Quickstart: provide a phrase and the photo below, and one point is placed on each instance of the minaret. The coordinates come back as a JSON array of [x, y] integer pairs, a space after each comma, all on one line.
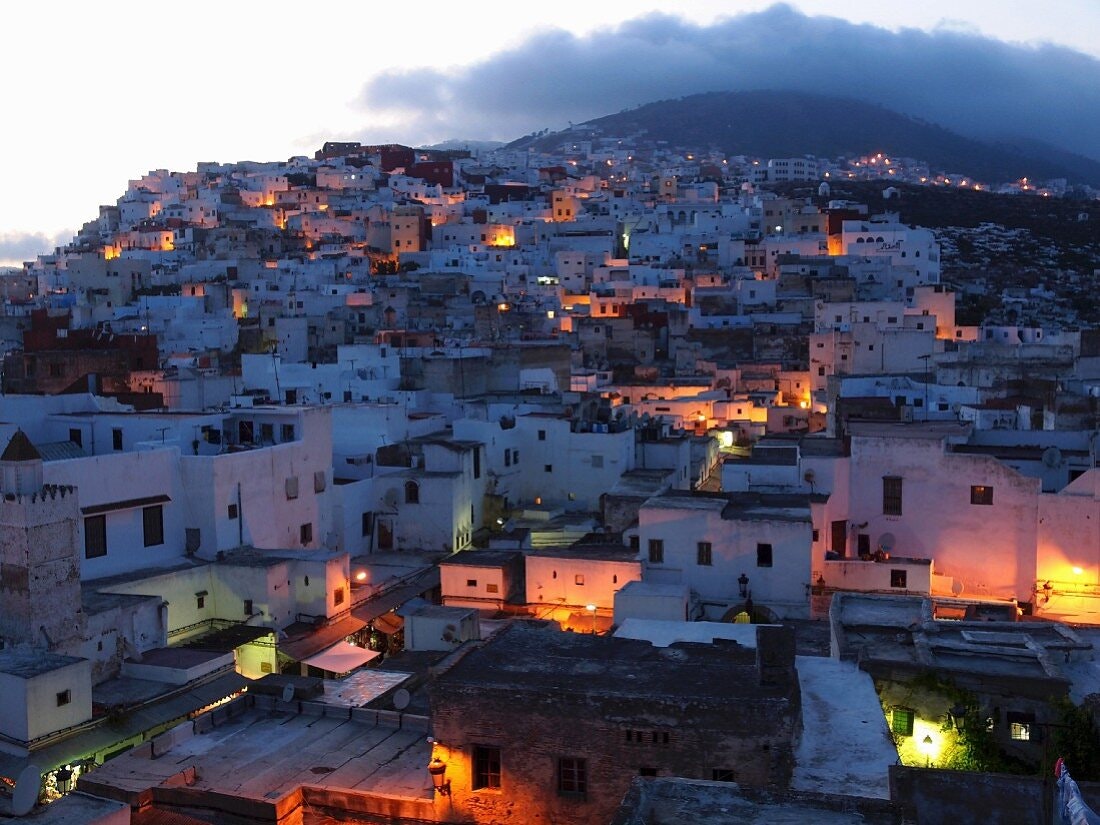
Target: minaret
[[39, 568]]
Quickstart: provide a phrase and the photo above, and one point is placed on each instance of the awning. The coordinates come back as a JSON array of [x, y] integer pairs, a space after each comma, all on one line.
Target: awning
[[376, 606], [341, 658], [388, 623], [126, 504], [301, 647]]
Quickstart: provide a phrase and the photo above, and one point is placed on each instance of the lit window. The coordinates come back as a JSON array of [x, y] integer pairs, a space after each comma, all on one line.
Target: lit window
[[901, 721], [981, 494]]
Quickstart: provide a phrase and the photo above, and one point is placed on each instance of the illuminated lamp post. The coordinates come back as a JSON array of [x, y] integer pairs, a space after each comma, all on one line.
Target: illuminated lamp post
[[591, 608], [926, 745], [437, 768]]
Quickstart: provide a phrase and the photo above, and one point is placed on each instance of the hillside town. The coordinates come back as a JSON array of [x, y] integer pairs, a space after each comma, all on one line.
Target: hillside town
[[609, 484]]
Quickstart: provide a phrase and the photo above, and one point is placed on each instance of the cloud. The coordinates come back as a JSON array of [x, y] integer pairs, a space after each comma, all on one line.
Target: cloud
[[975, 85], [17, 247]]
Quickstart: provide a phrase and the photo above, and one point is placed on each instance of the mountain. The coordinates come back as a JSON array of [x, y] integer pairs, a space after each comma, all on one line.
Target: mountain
[[791, 124]]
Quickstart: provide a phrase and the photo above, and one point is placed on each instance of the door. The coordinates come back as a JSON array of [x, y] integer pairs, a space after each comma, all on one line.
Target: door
[[839, 541]]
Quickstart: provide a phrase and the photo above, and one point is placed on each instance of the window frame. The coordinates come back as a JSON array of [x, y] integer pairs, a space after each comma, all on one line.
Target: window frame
[[656, 551], [704, 554], [95, 542], [892, 495], [572, 777], [765, 554], [981, 494], [486, 772], [152, 526]]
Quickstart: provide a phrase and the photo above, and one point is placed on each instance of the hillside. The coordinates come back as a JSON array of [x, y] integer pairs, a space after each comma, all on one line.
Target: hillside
[[782, 124]]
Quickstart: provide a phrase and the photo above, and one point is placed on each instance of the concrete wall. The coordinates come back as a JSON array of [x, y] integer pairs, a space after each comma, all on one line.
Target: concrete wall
[[572, 581], [938, 520]]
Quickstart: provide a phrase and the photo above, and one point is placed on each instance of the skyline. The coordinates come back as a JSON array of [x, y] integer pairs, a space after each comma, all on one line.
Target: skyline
[[243, 90]]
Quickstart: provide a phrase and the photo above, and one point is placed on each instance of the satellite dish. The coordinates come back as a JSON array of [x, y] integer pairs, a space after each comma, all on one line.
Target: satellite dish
[[1052, 457], [401, 699], [288, 693], [25, 795]]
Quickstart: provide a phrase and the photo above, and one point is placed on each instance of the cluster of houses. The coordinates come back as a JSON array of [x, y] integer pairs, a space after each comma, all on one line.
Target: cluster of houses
[[270, 424]]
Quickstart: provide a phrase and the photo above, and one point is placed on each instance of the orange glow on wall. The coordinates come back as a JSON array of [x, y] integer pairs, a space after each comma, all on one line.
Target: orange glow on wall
[[111, 252]]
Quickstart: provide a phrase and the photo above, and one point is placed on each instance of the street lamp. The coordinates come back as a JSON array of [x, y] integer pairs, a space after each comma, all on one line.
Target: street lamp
[[957, 714], [591, 608], [926, 745], [438, 770]]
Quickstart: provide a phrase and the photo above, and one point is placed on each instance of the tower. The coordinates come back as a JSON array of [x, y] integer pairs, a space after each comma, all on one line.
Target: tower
[[39, 567]]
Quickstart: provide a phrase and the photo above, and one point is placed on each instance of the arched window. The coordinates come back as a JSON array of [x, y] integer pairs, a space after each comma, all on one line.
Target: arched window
[[412, 492]]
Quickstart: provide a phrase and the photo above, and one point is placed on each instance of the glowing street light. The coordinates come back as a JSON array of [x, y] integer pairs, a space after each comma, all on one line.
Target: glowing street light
[[591, 608]]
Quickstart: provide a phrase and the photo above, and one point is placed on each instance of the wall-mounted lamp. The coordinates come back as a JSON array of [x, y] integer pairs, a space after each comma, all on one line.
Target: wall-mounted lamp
[[957, 715], [438, 770], [1048, 591]]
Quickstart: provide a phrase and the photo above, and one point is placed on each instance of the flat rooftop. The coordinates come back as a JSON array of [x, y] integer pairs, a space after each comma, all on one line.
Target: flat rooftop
[[266, 753], [665, 800], [27, 664], [526, 658]]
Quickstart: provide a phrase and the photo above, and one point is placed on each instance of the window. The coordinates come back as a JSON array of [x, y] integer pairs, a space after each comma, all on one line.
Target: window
[[477, 462], [901, 721], [319, 481], [200, 602], [542, 435], [152, 523], [981, 494], [703, 554], [95, 537], [116, 439], [486, 767], [492, 587], [412, 492], [248, 611], [548, 468], [1021, 727], [286, 432], [76, 437], [367, 522], [471, 582], [507, 458], [305, 533], [722, 775], [291, 485], [891, 495], [597, 462], [231, 511], [579, 579], [660, 737], [656, 551], [763, 555], [515, 456], [64, 697], [267, 432], [338, 596], [572, 777], [898, 578]]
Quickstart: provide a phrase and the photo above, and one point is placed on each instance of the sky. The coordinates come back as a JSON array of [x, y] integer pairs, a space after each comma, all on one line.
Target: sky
[[95, 95]]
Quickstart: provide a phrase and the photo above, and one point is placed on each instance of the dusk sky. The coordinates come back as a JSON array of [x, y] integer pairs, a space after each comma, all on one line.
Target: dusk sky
[[105, 92]]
